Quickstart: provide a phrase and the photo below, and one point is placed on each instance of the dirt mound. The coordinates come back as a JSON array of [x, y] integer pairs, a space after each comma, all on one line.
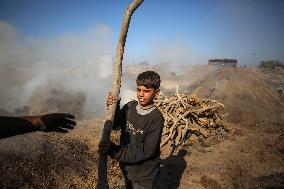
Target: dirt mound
[[53, 160], [248, 98]]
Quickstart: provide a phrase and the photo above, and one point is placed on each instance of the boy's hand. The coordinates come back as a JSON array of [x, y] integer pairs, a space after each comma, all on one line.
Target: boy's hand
[[104, 147], [111, 99]]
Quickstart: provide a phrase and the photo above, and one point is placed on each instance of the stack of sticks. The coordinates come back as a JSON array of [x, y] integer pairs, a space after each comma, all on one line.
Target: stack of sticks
[[186, 115]]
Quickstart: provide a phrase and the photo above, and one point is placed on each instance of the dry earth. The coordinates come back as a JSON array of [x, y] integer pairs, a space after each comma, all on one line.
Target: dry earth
[[250, 156]]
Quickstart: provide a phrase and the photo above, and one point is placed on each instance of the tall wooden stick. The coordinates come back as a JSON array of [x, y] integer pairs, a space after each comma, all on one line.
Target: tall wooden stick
[[102, 167]]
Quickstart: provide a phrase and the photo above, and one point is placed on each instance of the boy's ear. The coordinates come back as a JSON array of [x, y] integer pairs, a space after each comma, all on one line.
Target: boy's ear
[[158, 92]]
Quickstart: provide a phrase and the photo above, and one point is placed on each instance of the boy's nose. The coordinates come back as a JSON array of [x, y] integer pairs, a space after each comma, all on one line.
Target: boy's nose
[[141, 94]]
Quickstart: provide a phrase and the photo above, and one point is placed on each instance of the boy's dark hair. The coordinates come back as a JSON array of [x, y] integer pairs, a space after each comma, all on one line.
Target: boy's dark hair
[[149, 79]]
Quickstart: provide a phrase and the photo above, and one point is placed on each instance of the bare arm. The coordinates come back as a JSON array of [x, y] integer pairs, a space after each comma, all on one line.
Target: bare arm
[[10, 126]]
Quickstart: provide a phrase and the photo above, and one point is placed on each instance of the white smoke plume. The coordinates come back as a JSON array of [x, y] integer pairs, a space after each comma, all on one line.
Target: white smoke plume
[[55, 74]]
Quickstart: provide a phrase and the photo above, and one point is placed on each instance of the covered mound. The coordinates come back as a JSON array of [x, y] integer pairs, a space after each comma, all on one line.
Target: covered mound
[[248, 99]]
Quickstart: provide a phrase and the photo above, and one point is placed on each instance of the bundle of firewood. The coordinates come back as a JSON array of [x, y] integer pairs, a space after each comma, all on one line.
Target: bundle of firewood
[[187, 114]]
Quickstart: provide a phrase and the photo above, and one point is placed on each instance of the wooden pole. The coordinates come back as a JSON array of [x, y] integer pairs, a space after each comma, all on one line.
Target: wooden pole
[[102, 167]]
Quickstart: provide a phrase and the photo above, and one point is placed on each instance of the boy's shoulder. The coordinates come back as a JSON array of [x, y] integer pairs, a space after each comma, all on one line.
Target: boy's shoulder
[[131, 103]]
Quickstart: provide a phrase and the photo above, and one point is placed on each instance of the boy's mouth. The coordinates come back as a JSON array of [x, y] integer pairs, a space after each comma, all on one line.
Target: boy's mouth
[[142, 100]]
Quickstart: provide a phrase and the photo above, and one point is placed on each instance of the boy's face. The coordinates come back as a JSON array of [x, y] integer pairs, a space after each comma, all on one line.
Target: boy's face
[[145, 95]]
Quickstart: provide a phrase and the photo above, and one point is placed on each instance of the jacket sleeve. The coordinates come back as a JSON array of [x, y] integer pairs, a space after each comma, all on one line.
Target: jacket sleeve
[[137, 153]]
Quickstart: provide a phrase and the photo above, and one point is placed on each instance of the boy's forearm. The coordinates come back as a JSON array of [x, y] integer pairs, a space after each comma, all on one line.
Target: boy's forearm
[[138, 153], [130, 153], [119, 117], [116, 117]]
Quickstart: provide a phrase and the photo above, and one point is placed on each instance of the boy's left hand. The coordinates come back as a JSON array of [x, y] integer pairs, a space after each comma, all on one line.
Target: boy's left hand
[[104, 147]]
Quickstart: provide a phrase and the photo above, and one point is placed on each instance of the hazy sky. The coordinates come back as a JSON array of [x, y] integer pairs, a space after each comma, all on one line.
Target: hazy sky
[[59, 44], [249, 30]]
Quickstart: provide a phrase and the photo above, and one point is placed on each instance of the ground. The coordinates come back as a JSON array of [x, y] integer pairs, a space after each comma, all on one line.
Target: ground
[[249, 156]]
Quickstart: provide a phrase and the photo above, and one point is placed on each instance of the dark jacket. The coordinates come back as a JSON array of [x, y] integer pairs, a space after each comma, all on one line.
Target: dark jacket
[[139, 149]]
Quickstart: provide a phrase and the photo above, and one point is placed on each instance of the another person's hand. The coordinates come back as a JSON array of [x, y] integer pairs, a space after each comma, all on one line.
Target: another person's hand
[[57, 122]]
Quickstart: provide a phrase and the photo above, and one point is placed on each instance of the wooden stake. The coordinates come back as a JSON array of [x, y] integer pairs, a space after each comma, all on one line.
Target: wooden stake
[[102, 167]]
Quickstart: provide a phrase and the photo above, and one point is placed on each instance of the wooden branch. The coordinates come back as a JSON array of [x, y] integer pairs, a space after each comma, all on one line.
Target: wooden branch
[[102, 167], [198, 111], [188, 114]]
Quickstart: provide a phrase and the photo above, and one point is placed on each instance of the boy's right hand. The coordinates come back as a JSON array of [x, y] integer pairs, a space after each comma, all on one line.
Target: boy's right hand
[[111, 99]]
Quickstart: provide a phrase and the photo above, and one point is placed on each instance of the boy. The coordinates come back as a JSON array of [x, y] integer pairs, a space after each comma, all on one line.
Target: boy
[[141, 126]]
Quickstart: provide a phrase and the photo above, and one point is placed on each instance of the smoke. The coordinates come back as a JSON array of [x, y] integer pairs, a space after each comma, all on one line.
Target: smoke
[[60, 73], [163, 51], [176, 52], [72, 72]]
